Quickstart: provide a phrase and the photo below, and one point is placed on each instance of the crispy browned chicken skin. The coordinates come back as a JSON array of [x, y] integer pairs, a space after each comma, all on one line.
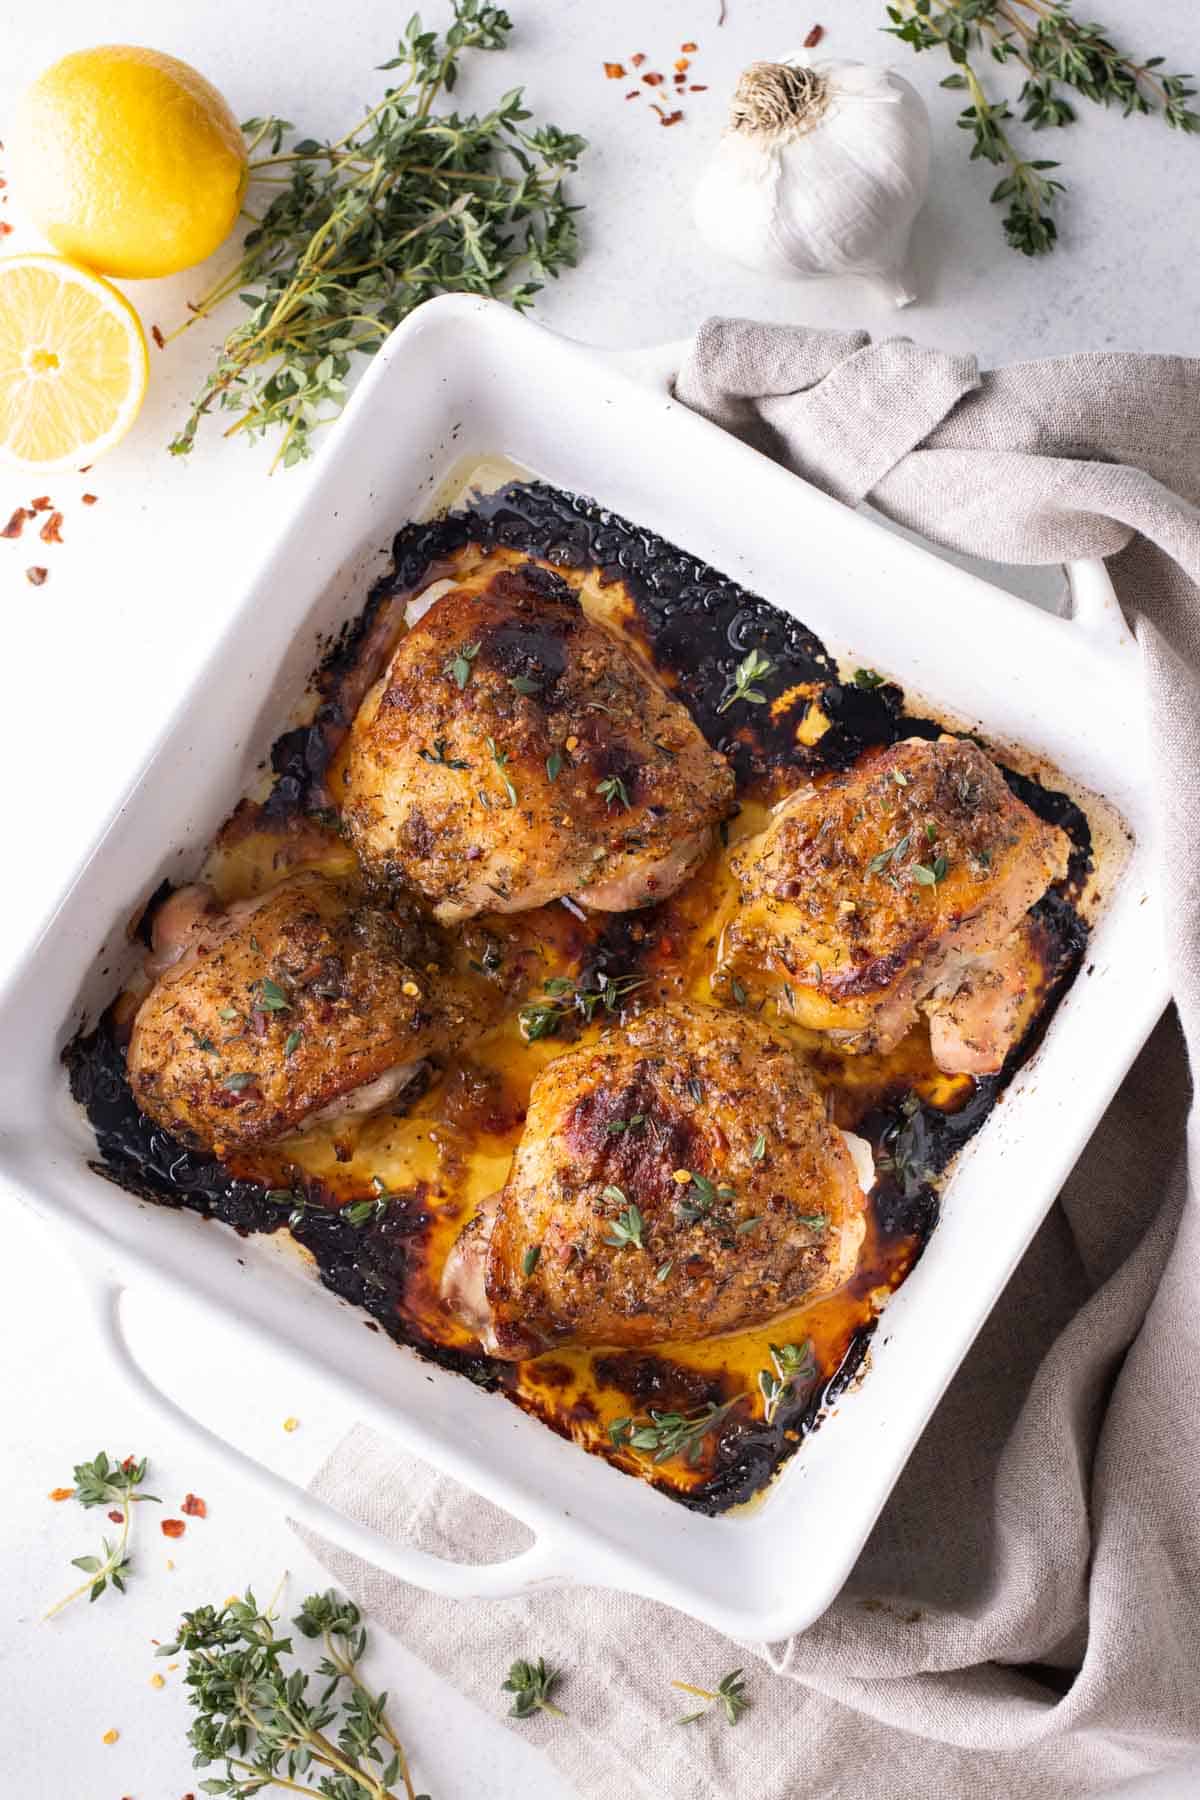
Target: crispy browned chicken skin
[[303, 1003], [678, 1179], [515, 751], [901, 884]]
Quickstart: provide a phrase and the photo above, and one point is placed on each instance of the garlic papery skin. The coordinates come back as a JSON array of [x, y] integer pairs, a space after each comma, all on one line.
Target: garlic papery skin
[[821, 171]]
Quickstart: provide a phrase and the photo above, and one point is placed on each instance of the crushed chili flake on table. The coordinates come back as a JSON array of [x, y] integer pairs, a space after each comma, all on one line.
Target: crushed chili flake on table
[[814, 37], [51, 532], [682, 65], [16, 524], [653, 79], [172, 1528], [61, 1493], [634, 94], [36, 576], [639, 59], [5, 227], [89, 499], [667, 118], [698, 88], [194, 1506], [43, 503], [158, 337], [118, 1518], [614, 71], [689, 49]]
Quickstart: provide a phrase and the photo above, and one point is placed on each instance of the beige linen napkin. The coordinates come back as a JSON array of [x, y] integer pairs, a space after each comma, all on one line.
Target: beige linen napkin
[[1025, 1619]]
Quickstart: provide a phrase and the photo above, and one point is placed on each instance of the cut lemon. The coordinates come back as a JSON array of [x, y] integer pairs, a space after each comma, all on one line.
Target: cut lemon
[[73, 364]]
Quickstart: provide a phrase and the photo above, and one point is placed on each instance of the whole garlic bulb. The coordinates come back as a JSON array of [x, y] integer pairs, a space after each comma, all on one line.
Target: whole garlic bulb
[[821, 171]]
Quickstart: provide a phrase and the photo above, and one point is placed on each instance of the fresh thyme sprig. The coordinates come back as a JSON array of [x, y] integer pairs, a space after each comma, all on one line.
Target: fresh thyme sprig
[[729, 1694], [790, 1363], [752, 668], [670, 1434], [532, 1684], [545, 1018], [625, 1231], [407, 204], [106, 1482], [1056, 51], [256, 1716]]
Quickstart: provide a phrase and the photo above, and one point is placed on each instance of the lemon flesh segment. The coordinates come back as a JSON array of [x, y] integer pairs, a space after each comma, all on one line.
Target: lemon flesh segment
[[73, 364]]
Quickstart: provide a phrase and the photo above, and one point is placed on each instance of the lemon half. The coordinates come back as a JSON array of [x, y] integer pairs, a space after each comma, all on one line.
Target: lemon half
[[128, 160], [73, 364]]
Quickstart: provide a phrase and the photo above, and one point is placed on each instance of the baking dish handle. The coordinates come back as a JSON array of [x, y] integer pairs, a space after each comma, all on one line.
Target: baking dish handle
[[1095, 609], [541, 1566]]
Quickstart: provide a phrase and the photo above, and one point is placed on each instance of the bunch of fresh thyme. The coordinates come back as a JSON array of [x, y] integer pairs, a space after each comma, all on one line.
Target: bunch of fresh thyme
[[408, 204], [255, 1714], [1057, 52]]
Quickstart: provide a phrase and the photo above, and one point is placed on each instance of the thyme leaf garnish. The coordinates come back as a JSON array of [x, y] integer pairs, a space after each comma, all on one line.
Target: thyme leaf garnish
[[670, 1434], [790, 1363], [752, 668], [532, 1683], [729, 1694], [438, 755], [108, 1482]]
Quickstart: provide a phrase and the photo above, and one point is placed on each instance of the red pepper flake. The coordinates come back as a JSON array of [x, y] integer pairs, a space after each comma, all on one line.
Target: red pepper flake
[[5, 227], [172, 1528], [3, 183], [673, 118], [634, 94], [89, 499], [698, 87], [118, 1518], [16, 524], [689, 49], [814, 37], [158, 337], [61, 1493], [43, 503], [36, 576], [51, 532], [682, 65], [194, 1506], [653, 80], [614, 71], [638, 60]]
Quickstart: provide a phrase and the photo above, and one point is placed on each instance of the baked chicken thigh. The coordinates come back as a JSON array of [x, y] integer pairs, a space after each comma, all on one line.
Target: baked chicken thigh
[[301, 1005], [897, 887], [676, 1179], [515, 751]]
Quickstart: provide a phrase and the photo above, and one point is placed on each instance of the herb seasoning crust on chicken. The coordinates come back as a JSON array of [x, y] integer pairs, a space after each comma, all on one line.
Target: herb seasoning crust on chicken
[[678, 1179], [515, 751], [899, 887], [297, 1007]]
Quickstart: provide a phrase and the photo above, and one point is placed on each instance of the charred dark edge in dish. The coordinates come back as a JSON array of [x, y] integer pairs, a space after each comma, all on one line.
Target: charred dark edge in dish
[[697, 625]]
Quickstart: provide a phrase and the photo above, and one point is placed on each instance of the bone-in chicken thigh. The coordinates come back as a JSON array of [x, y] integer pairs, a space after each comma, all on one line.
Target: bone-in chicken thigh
[[516, 751], [677, 1179], [302, 1004], [901, 885]]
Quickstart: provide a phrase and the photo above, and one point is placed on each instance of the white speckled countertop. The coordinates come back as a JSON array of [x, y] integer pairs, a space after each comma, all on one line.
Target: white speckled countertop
[[96, 660]]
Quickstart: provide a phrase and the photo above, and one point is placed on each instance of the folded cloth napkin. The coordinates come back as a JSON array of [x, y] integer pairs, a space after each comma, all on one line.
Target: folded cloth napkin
[[1026, 1616]]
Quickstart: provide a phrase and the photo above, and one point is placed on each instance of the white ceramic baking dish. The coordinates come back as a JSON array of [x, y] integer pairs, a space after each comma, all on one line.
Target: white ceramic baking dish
[[466, 378]]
